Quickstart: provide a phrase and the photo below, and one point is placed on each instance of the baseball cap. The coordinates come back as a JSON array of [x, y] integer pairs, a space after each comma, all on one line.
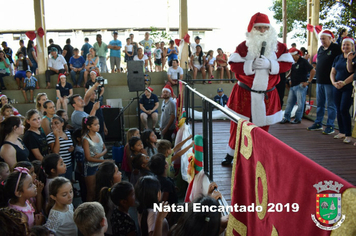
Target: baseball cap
[[29, 71], [197, 37], [220, 90], [115, 32], [53, 49]]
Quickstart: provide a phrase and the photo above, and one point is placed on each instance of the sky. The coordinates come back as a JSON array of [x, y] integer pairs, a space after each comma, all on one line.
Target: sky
[[230, 16]]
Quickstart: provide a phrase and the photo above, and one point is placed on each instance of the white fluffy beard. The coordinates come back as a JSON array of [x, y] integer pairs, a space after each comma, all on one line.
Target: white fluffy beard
[[254, 41]]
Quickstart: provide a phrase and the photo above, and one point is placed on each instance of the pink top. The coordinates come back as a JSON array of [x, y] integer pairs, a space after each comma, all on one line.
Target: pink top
[[27, 210]]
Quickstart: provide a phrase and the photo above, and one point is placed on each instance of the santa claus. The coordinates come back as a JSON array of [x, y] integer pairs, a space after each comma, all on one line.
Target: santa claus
[[257, 63]]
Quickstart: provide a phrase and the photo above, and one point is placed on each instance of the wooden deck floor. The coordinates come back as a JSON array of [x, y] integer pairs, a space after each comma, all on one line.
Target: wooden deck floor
[[328, 152]]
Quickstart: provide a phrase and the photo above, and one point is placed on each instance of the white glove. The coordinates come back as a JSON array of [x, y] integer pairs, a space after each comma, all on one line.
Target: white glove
[[261, 63]]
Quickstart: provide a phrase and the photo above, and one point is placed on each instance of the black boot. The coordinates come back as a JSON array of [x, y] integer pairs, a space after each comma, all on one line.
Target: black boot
[[227, 161]]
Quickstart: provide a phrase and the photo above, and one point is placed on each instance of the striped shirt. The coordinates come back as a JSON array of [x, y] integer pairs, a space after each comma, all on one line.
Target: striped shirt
[[30, 82], [64, 146]]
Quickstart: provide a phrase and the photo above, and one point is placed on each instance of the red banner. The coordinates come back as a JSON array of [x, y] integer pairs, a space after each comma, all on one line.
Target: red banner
[[275, 188]]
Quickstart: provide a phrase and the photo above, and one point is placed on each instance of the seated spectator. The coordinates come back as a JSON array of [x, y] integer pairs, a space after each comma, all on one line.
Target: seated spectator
[[57, 65], [157, 53], [148, 107], [4, 69], [100, 91], [52, 45], [22, 64], [49, 112], [40, 99], [90, 219], [221, 98], [197, 61], [12, 149], [91, 64], [4, 100], [30, 83], [64, 91], [210, 64], [31, 53], [77, 66], [141, 57], [221, 62], [68, 52], [174, 72], [172, 52]]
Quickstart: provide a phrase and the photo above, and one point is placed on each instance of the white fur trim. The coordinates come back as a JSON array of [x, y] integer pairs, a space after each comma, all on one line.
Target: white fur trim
[[165, 89], [294, 53], [262, 24], [274, 67], [248, 67], [229, 150], [258, 106], [275, 118], [235, 57], [286, 57], [329, 35], [348, 40]]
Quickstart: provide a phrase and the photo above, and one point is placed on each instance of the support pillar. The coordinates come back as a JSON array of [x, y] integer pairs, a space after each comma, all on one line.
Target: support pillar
[[183, 30], [41, 42], [313, 9]]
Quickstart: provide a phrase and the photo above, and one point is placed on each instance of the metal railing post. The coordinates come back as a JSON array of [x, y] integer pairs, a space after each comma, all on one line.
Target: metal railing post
[[205, 137], [210, 143]]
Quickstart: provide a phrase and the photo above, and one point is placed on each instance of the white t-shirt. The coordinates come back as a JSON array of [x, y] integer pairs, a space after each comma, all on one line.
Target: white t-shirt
[[193, 47], [128, 48], [174, 72], [57, 63], [144, 58], [211, 61]]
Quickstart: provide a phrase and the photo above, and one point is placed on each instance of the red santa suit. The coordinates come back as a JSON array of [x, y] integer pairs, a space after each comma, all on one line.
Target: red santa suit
[[260, 107]]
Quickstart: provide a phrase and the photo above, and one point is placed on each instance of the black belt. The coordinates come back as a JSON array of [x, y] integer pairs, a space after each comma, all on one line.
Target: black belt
[[244, 86]]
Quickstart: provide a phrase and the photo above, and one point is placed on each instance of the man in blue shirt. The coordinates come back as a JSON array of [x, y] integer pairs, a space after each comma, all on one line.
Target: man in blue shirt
[[148, 107], [221, 98], [85, 48], [115, 53]]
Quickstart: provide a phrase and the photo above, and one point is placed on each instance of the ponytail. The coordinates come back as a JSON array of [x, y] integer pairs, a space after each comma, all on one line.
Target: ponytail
[[104, 197], [87, 121]]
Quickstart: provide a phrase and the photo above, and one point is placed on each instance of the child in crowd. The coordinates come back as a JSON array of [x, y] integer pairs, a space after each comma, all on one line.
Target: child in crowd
[[126, 162], [129, 54], [148, 192], [90, 219], [79, 157], [123, 196], [140, 165], [149, 140], [107, 175], [30, 83], [210, 64], [4, 171], [38, 200], [60, 218], [147, 45], [64, 115], [94, 151], [157, 53], [164, 54], [158, 165], [89, 63], [19, 188], [6, 111], [165, 147], [136, 147], [53, 166]]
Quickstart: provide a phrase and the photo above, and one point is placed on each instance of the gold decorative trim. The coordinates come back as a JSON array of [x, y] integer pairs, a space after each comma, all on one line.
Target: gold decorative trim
[[246, 151], [235, 225], [261, 173], [274, 231], [348, 208]]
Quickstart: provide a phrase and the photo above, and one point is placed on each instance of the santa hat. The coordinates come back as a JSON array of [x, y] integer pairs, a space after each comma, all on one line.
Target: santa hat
[[93, 71], [348, 39], [295, 51], [327, 33], [2, 95], [149, 89], [258, 19], [168, 88], [61, 75]]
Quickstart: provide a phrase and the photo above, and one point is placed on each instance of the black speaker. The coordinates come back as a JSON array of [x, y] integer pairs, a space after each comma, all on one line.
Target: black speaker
[[113, 126], [135, 76]]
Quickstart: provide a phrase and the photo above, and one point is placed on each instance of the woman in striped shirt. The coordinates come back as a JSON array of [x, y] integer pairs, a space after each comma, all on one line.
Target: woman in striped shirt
[[60, 142]]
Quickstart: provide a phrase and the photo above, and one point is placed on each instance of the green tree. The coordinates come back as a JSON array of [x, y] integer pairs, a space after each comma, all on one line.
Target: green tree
[[333, 15], [159, 36]]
